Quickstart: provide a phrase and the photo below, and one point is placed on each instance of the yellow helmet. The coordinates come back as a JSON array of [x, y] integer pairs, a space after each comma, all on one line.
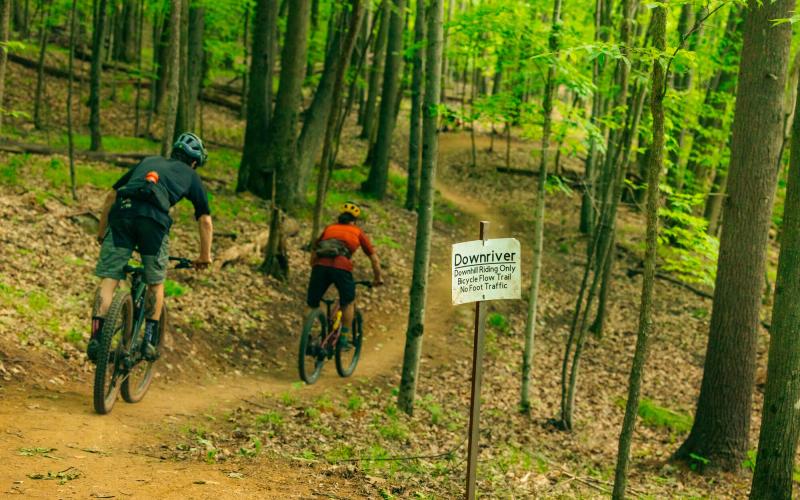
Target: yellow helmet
[[351, 208]]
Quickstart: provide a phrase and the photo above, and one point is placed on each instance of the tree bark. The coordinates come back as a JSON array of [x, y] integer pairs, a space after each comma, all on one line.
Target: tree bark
[[721, 427], [95, 74], [376, 182], [378, 57], [422, 248], [139, 69], [71, 66], [415, 134], [182, 118], [659, 34], [259, 97], [43, 36], [197, 26], [780, 423], [538, 230], [281, 138], [5, 16], [173, 76], [336, 116]]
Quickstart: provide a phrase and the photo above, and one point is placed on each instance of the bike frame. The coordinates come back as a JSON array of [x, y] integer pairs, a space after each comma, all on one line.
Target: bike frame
[[138, 292], [331, 308]]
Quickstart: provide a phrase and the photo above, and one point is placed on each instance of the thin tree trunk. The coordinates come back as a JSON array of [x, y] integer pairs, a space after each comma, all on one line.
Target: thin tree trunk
[[70, 142], [94, 77], [430, 146], [780, 423], [5, 16], [721, 427], [173, 76], [415, 134], [196, 53], [139, 69], [377, 180], [245, 74], [378, 58], [333, 129], [659, 34], [43, 33], [538, 230], [182, 118]]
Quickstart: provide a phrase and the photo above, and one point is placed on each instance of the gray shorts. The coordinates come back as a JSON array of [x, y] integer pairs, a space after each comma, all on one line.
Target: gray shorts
[[122, 237]]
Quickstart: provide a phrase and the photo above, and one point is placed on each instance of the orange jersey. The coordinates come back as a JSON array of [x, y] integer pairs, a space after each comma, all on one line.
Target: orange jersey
[[353, 237]]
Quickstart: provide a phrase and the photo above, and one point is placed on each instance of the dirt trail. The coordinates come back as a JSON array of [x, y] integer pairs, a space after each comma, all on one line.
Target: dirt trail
[[106, 450]]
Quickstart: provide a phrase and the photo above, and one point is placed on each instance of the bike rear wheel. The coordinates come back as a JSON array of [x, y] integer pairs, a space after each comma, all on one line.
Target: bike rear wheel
[[136, 384], [346, 360], [312, 356], [109, 369]]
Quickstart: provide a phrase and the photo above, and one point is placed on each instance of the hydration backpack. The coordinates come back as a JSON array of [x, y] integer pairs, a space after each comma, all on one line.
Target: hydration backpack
[[332, 248], [146, 190]]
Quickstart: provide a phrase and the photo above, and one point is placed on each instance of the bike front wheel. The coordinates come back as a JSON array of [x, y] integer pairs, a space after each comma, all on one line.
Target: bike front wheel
[[110, 357], [347, 358], [136, 384], [312, 355]]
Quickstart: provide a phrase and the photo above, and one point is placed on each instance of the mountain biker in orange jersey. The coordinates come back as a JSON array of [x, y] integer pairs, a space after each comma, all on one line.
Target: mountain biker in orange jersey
[[136, 216], [331, 264]]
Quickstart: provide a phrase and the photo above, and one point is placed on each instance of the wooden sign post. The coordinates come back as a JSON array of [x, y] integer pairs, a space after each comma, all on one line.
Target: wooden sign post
[[483, 270]]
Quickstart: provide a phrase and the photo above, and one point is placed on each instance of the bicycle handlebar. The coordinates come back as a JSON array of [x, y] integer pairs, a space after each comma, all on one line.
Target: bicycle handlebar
[[183, 263]]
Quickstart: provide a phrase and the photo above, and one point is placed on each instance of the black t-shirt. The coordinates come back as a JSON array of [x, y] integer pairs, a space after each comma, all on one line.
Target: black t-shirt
[[179, 179]]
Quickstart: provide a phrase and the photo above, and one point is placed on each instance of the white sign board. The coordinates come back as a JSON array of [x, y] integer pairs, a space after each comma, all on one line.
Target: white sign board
[[486, 270]]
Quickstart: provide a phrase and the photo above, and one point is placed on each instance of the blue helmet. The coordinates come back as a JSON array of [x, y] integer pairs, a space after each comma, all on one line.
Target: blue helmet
[[192, 146]]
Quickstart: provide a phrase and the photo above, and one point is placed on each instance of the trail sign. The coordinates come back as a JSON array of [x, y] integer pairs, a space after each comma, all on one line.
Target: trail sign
[[486, 270], [483, 270]]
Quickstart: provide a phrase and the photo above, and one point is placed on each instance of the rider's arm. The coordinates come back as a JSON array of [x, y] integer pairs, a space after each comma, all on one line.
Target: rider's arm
[[206, 228], [107, 204], [376, 268]]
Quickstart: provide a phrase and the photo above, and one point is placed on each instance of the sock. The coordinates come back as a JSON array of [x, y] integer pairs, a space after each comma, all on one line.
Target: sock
[[97, 326], [150, 330]]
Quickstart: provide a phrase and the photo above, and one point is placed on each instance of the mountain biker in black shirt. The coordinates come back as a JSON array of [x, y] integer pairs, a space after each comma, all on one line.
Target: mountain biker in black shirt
[[136, 216]]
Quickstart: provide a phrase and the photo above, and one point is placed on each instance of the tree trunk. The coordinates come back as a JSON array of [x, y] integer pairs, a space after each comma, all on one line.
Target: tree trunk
[[415, 134], [139, 69], [659, 34], [197, 26], [538, 230], [246, 57], [173, 76], [777, 444], [312, 135], [376, 182], [281, 137], [378, 57], [182, 118], [336, 116], [5, 16], [721, 427], [43, 34], [71, 66], [94, 76], [259, 99], [422, 248]]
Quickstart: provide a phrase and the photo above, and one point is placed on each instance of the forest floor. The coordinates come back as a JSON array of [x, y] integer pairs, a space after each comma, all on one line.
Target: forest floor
[[226, 416]]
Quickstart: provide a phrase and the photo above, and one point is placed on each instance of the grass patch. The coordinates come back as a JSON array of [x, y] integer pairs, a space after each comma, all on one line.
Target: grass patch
[[174, 289], [659, 417]]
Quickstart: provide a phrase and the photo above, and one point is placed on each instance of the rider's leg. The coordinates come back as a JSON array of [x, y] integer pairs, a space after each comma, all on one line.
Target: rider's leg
[[154, 301], [348, 312], [103, 297]]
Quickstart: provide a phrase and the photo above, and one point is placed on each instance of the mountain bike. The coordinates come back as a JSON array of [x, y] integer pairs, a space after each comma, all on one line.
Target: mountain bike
[[320, 341], [121, 365]]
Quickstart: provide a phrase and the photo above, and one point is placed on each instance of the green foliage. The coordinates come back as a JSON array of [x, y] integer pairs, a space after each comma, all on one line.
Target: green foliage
[[173, 288], [687, 249], [499, 323]]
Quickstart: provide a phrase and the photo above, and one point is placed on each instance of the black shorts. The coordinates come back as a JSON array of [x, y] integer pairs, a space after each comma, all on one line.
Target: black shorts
[[322, 277]]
